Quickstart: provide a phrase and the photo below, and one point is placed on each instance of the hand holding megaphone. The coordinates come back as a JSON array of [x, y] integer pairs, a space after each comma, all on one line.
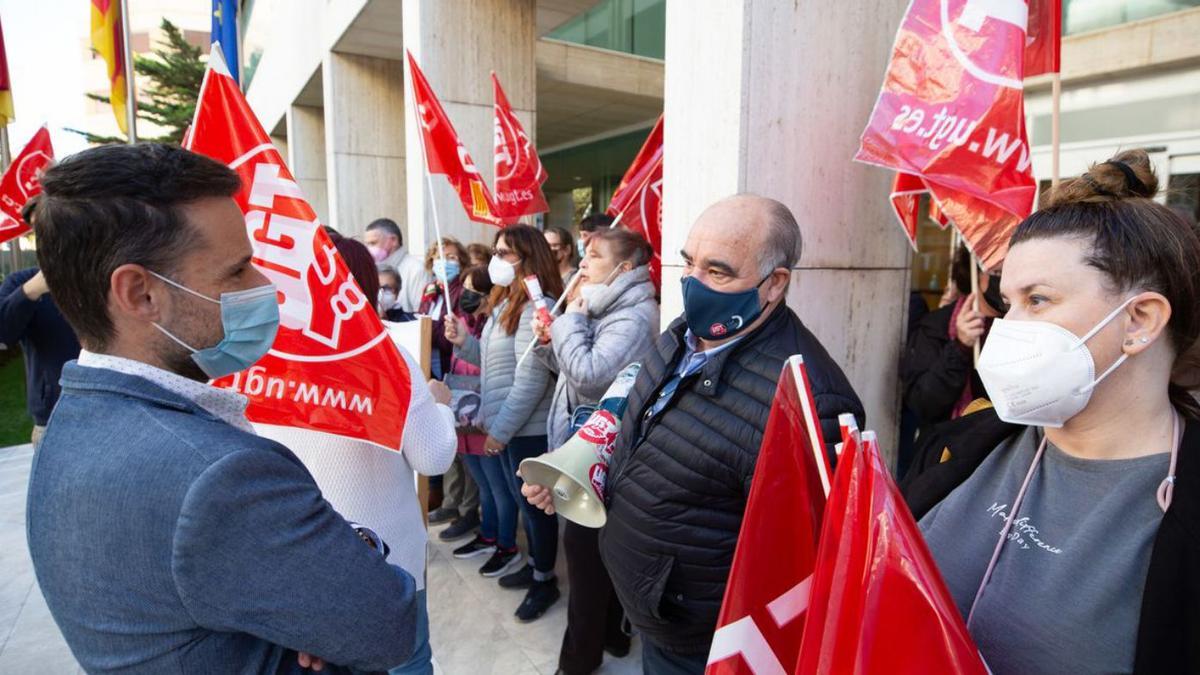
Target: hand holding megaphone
[[541, 497]]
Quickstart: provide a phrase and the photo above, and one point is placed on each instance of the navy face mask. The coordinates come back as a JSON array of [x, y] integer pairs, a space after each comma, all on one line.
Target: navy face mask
[[713, 315]]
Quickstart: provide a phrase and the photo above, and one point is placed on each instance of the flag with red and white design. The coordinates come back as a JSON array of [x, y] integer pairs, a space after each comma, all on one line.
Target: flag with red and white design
[[332, 367], [445, 153], [637, 201], [878, 604], [22, 181], [519, 170], [1043, 38], [951, 113], [762, 616]]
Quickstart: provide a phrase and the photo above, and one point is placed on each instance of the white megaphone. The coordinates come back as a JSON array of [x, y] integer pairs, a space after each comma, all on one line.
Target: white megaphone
[[576, 472]]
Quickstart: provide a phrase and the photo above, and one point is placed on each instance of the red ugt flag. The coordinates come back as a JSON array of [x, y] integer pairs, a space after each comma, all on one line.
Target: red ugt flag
[[637, 200], [332, 367], [22, 181], [519, 170], [760, 624], [878, 603], [445, 153], [951, 112]]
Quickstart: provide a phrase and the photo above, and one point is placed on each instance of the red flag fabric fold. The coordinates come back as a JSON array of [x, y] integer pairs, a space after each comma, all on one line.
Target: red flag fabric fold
[[519, 170], [878, 602], [1043, 39], [332, 367], [22, 181], [637, 200], [445, 153], [762, 616], [951, 112]]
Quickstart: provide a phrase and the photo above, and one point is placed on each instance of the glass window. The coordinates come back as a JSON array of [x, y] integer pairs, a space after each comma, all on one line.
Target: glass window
[[1183, 195], [630, 26], [1080, 16]]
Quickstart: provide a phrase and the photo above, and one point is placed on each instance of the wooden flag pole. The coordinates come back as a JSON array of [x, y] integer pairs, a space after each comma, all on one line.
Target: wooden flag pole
[[130, 86], [975, 298]]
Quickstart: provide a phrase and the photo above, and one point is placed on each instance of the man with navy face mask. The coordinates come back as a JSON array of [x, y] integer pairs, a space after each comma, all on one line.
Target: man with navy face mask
[[685, 457], [166, 536]]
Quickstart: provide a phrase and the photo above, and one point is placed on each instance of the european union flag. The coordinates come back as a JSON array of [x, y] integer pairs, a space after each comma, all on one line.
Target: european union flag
[[225, 31]]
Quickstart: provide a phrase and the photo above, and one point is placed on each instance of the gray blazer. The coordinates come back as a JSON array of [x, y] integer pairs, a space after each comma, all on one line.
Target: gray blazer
[[588, 350], [514, 403]]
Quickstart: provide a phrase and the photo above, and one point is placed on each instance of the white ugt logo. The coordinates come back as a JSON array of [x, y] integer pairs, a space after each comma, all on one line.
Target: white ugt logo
[[1015, 12]]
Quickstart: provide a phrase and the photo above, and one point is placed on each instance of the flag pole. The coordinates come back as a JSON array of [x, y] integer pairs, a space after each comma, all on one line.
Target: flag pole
[[1055, 116], [975, 298], [437, 229], [130, 86], [5, 161]]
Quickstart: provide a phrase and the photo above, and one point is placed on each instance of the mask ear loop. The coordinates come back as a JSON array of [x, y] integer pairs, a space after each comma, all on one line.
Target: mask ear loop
[[1012, 516], [1166, 489], [1092, 333]]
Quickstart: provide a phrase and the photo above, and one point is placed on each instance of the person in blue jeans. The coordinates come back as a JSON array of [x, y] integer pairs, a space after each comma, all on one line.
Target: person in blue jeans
[[515, 397], [165, 534]]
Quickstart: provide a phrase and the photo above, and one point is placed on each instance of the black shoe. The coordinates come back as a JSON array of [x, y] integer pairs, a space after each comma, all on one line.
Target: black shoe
[[541, 595], [620, 651], [522, 578], [501, 562], [460, 528], [476, 547], [443, 515]]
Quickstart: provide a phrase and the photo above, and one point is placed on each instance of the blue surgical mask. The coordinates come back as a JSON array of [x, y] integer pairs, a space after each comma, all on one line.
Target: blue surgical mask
[[249, 319], [581, 247], [446, 270], [713, 315]]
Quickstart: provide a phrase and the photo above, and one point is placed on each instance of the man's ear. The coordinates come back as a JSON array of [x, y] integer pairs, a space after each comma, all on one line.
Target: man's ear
[[133, 293], [777, 285]]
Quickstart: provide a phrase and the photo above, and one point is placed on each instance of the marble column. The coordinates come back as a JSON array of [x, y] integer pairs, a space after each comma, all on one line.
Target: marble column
[[306, 155]]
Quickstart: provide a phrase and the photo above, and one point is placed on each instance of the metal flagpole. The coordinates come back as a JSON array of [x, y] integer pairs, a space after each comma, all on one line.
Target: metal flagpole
[[130, 86]]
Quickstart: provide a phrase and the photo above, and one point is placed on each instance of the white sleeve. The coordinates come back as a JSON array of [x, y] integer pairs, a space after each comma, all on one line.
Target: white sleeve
[[430, 441]]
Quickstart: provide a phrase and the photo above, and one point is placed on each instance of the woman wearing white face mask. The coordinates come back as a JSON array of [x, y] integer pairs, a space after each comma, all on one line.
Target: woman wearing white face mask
[[609, 325], [1064, 520]]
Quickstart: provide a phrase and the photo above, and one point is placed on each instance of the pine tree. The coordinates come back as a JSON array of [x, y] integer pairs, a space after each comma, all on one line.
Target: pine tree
[[172, 75]]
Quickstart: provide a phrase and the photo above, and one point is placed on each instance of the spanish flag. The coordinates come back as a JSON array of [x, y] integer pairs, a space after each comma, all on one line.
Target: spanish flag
[[6, 102], [107, 42]]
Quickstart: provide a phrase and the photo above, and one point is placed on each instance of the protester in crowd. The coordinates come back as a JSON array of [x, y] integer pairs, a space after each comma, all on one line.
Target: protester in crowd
[[562, 247], [1073, 502], [386, 243], [479, 255], [684, 459], [938, 372], [165, 534], [374, 486], [29, 318], [588, 226], [390, 290], [498, 526], [612, 324], [460, 494], [516, 400]]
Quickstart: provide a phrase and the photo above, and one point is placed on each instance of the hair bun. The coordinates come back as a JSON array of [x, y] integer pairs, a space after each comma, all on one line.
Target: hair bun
[[1128, 175]]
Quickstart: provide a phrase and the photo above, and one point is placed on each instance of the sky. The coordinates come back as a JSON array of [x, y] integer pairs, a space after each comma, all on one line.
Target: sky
[[46, 43]]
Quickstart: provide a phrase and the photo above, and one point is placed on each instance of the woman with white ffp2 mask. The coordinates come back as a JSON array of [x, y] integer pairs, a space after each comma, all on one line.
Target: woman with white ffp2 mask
[[1064, 518]]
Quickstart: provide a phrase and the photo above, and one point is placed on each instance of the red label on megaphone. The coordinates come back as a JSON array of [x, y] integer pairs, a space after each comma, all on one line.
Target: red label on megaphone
[[598, 475], [601, 430]]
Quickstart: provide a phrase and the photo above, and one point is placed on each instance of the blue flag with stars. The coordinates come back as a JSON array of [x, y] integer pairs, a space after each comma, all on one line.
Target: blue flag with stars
[[225, 31]]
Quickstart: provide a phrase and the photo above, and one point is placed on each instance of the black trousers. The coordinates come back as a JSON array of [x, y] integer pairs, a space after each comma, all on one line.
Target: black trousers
[[594, 615]]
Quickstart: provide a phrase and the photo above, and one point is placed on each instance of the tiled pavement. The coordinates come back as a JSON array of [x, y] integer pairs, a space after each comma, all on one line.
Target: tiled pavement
[[471, 618]]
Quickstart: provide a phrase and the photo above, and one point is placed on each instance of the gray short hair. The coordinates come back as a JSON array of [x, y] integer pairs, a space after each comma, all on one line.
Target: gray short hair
[[783, 243]]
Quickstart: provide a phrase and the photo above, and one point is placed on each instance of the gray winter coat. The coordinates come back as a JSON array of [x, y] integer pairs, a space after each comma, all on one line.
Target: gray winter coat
[[514, 404], [588, 350]]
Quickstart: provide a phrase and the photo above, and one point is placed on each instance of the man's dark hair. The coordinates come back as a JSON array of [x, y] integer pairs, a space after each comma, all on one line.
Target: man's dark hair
[[389, 226], [596, 221], [115, 205]]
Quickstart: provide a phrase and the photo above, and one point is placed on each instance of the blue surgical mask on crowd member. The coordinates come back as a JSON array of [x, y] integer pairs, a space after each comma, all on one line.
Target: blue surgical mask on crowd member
[[581, 247], [446, 270], [714, 315], [249, 319]]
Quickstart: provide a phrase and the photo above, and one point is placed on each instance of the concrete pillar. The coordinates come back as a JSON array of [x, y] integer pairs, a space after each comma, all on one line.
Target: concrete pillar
[[364, 140], [458, 43], [306, 155], [774, 104]]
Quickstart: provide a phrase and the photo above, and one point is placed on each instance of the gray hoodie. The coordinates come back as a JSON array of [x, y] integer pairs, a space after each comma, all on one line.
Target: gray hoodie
[[588, 350], [514, 403]]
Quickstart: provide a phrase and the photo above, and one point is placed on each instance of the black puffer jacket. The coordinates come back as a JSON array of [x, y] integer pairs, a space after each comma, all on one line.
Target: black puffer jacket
[[675, 497]]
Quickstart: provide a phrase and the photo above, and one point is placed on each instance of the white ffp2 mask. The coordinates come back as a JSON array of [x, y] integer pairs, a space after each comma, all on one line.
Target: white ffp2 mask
[[1038, 373]]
